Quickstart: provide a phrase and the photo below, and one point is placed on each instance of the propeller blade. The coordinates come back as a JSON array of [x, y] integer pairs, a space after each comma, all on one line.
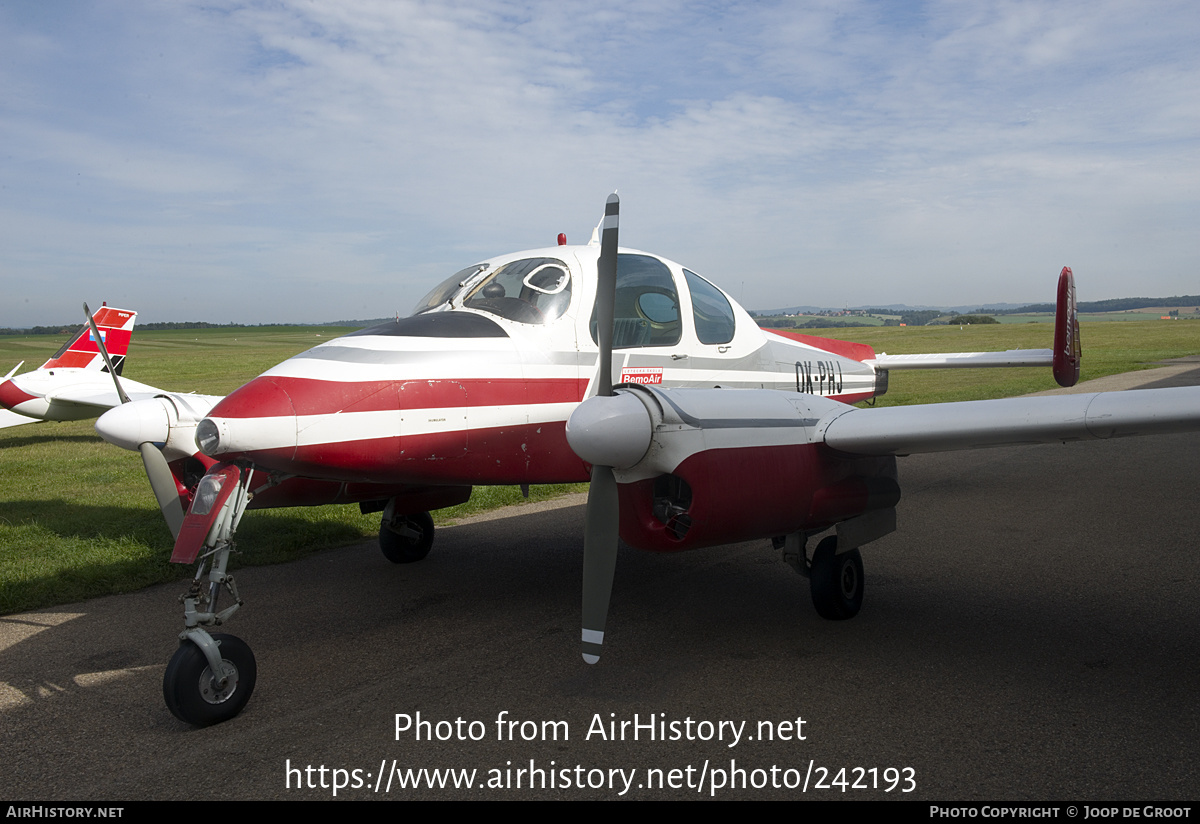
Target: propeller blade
[[599, 558], [14, 370], [162, 481], [600, 536], [163, 484], [606, 293], [104, 354]]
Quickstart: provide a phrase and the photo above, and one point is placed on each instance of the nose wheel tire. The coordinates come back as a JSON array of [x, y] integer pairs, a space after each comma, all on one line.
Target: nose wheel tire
[[407, 538], [836, 581], [195, 696]]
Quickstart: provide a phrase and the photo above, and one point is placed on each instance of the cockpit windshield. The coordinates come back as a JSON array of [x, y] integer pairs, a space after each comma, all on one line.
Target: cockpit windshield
[[532, 290], [445, 290]]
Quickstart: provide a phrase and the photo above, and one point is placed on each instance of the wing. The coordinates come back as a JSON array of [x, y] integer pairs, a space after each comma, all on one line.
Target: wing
[[102, 394], [699, 467], [903, 430], [8, 419], [964, 360]]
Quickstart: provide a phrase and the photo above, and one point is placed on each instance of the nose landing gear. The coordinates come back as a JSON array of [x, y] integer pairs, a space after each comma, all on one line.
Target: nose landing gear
[[200, 694]]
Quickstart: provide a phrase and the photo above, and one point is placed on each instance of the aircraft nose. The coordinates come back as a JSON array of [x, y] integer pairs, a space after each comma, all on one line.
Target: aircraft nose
[[258, 420], [137, 422]]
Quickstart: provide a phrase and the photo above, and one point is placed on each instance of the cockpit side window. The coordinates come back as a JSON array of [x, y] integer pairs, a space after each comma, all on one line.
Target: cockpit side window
[[533, 290], [710, 309], [647, 305]]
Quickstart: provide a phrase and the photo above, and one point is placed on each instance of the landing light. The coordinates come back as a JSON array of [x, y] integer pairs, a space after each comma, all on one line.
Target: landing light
[[207, 437], [206, 493]]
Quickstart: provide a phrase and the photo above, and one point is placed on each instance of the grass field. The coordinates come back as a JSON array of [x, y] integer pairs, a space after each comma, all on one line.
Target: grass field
[[77, 518]]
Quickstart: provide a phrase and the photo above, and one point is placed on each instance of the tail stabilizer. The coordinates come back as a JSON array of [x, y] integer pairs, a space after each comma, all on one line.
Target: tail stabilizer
[[81, 352]]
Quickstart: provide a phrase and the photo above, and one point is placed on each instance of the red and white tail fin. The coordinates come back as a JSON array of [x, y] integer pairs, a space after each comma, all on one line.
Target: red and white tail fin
[[81, 352]]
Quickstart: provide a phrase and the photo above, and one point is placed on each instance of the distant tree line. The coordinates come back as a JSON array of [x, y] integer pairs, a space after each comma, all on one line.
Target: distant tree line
[[910, 317], [964, 320], [1113, 305], [186, 324], [40, 330], [818, 323]]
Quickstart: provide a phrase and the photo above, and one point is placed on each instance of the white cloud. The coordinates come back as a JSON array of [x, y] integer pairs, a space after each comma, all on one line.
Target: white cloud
[[381, 143]]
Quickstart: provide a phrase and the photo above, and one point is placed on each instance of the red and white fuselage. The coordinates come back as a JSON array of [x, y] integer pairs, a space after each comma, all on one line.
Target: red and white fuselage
[[476, 387]]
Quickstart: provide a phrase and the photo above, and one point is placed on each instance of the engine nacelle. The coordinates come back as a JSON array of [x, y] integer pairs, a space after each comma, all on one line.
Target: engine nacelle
[[729, 465], [168, 421]]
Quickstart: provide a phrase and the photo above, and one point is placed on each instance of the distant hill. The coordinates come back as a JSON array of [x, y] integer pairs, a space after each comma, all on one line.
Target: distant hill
[[900, 309], [1114, 305]]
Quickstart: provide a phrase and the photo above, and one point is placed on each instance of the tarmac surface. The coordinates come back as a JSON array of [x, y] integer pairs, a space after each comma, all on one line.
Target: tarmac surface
[[1029, 633]]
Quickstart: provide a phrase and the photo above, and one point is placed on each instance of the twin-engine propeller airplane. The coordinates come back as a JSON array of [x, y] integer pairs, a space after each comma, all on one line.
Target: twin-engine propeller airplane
[[83, 379], [74, 383], [504, 374]]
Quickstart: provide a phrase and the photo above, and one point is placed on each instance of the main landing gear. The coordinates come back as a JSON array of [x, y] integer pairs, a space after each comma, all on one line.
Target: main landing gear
[[835, 578], [836, 581], [404, 539]]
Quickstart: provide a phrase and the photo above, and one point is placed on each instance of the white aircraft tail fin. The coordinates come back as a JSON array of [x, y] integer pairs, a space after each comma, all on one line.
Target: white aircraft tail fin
[[81, 352]]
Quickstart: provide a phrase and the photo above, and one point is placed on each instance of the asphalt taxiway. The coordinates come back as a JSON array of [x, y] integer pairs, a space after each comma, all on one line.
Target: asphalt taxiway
[[1030, 632]]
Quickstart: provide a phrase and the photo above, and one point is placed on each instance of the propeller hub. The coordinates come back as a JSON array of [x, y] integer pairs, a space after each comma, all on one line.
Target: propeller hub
[[610, 431], [132, 424]]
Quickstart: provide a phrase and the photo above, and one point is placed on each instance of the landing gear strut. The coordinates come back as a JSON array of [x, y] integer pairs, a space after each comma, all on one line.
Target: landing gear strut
[[211, 676]]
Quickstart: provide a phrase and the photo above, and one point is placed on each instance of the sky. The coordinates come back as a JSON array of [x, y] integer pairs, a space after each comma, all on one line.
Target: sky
[[308, 161]]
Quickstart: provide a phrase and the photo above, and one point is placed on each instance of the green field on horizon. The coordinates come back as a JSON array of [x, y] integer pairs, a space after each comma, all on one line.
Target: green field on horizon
[[1129, 315]]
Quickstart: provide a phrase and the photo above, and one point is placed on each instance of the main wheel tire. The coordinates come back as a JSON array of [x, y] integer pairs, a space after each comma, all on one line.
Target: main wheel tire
[[836, 581], [191, 692], [406, 539]]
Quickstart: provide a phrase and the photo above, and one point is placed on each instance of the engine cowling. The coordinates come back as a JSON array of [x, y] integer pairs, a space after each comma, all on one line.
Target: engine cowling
[[727, 465]]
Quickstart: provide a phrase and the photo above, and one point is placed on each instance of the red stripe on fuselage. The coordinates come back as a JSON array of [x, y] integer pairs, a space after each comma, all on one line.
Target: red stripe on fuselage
[[526, 453], [272, 396], [845, 348]]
